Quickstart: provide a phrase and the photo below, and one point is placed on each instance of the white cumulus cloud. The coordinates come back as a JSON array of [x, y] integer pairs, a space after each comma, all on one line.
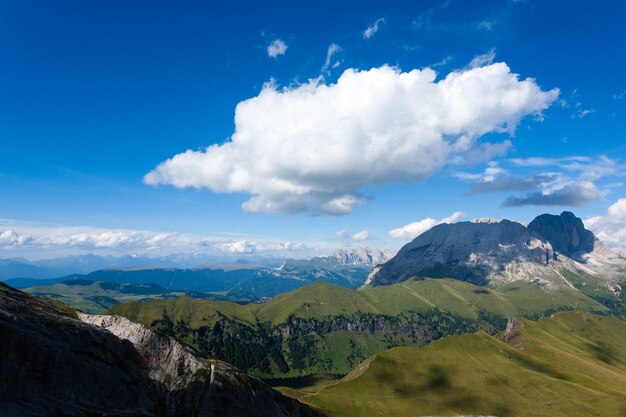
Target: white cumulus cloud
[[245, 246], [412, 230], [314, 147], [276, 47], [12, 238], [611, 228], [371, 30]]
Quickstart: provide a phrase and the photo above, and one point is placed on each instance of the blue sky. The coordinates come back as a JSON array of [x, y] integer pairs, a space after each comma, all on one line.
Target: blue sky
[[95, 95]]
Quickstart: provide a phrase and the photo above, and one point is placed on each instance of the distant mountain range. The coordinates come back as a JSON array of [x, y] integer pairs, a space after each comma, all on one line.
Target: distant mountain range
[[52, 268], [99, 290], [83, 264]]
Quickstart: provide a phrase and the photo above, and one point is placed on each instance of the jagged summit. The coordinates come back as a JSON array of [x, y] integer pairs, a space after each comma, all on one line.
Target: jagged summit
[[492, 252], [485, 220], [361, 256], [566, 233]]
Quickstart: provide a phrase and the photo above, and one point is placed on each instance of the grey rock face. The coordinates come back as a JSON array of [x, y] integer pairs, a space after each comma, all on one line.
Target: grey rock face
[[52, 364], [467, 250], [169, 362], [566, 233]]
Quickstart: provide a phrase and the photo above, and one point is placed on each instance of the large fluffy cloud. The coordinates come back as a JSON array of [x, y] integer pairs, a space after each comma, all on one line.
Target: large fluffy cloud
[[312, 148], [412, 230]]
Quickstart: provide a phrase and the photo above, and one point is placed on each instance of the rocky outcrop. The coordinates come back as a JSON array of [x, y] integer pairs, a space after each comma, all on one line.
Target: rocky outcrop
[[566, 233], [513, 329], [169, 362], [52, 364]]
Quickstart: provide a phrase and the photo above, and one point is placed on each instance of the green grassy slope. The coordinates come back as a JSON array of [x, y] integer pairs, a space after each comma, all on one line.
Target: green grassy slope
[[571, 365], [321, 300], [193, 312], [327, 329]]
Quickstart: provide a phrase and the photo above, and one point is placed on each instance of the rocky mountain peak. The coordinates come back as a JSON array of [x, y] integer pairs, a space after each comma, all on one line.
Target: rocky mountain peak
[[361, 256], [488, 251], [466, 250], [566, 233]]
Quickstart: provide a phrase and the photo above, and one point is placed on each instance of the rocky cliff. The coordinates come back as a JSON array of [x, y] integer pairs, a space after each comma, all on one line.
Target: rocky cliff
[[468, 251], [566, 233], [52, 363]]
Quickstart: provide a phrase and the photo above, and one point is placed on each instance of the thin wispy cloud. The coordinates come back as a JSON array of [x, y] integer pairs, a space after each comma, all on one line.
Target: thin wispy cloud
[[444, 61], [541, 161], [486, 24], [424, 19], [575, 106], [331, 60], [581, 113], [483, 59], [371, 30], [434, 20]]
